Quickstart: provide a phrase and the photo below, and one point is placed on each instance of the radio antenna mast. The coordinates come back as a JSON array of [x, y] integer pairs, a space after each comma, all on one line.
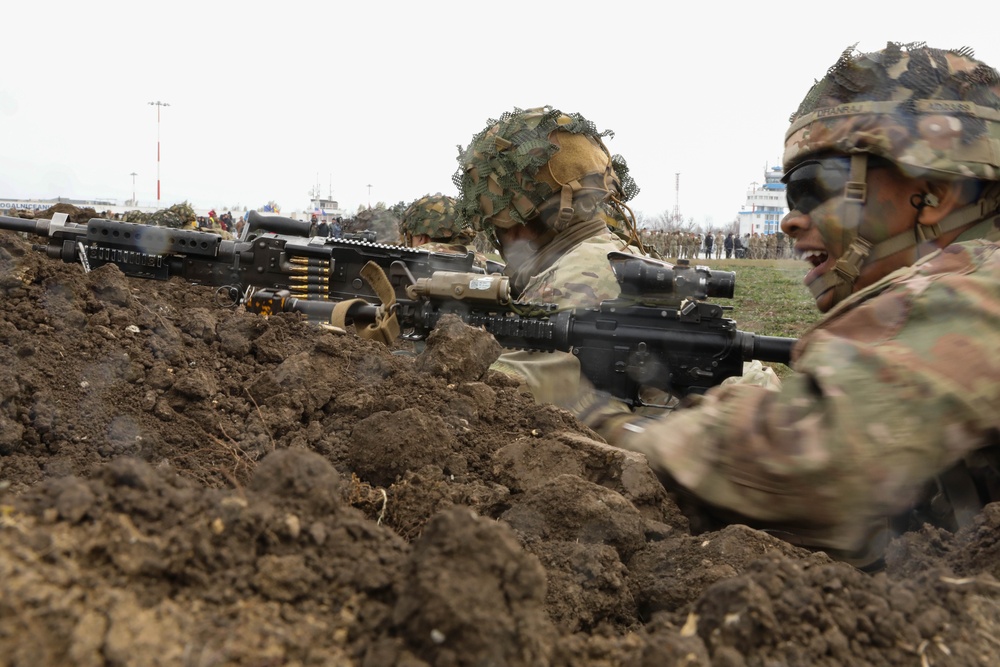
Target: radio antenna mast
[[677, 197]]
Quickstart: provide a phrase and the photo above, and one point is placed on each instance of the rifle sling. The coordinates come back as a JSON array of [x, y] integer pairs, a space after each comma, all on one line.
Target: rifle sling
[[385, 328]]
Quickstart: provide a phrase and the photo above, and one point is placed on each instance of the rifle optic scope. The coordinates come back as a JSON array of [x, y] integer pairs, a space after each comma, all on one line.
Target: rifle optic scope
[[648, 278]]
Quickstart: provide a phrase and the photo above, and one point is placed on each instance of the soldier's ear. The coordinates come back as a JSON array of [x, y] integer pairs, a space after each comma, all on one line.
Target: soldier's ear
[[939, 200]]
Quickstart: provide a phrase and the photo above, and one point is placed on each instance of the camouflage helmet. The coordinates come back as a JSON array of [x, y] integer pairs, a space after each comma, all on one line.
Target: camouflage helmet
[[176, 216], [536, 160], [436, 216], [934, 113]]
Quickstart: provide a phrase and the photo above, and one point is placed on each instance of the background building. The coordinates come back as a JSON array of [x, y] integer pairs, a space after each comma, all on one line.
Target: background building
[[765, 205]]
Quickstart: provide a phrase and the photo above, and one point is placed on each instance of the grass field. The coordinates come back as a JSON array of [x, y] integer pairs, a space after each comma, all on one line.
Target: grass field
[[770, 298]]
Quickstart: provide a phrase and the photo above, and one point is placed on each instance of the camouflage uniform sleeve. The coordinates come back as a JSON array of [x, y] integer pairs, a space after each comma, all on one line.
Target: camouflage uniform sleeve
[[551, 377], [894, 387], [583, 277]]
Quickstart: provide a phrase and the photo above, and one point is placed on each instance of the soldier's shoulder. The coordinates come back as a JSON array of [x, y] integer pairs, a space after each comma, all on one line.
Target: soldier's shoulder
[[581, 277]]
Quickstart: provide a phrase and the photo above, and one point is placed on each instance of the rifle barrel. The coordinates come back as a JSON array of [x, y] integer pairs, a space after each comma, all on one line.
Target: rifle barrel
[[24, 225], [773, 349]]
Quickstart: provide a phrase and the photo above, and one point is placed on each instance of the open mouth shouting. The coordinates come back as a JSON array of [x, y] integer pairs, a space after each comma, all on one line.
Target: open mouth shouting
[[816, 257]]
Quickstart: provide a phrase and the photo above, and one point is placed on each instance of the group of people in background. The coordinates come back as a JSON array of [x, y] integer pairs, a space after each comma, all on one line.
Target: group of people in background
[[758, 246], [214, 222], [716, 245], [328, 228]]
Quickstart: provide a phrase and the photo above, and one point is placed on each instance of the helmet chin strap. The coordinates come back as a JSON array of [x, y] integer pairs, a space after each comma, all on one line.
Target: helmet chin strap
[[861, 250], [845, 273]]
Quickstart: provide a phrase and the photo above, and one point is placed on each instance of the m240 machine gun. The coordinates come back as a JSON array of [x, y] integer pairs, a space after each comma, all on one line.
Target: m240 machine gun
[[272, 252], [661, 332]]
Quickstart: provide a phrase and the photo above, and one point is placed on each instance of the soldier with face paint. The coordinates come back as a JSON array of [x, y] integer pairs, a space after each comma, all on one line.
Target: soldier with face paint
[[892, 163], [541, 184], [432, 223]]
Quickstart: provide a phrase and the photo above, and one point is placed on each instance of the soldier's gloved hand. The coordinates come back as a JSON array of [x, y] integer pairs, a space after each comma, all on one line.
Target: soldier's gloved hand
[[339, 331], [600, 411], [756, 373]]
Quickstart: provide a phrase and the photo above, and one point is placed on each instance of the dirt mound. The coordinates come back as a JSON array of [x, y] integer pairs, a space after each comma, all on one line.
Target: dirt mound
[[73, 213], [185, 484]]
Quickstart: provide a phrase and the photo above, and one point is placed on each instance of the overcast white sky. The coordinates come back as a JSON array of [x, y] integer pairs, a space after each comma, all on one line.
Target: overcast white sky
[[268, 99]]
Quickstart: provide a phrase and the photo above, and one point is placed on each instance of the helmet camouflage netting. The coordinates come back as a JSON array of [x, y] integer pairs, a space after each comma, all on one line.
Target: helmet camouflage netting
[[176, 216], [933, 112], [437, 217], [523, 162]]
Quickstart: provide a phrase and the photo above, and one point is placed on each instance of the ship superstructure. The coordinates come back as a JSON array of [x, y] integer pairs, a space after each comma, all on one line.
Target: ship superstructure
[[765, 205]]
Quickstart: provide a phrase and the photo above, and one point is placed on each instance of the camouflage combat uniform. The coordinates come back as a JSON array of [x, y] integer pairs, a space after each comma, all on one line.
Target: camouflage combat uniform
[[908, 360], [560, 190], [674, 247], [582, 277], [893, 415], [479, 259], [435, 217]]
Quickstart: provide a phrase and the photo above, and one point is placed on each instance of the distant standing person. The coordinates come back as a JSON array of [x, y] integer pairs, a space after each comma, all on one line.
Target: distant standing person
[[709, 240], [323, 228], [729, 244]]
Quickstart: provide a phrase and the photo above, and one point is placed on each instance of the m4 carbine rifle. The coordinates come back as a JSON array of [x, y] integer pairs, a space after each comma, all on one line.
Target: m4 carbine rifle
[[660, 333], [272, 252]]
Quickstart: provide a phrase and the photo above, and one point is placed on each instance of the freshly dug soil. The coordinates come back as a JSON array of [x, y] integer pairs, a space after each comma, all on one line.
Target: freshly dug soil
[[182, 484]]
